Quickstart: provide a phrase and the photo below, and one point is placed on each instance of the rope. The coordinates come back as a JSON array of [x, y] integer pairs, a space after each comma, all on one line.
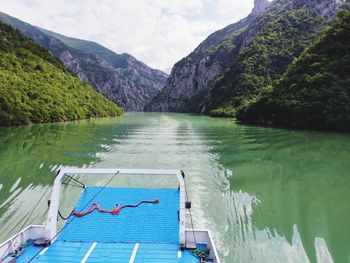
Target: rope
[[157, 201], [73, 185], [114, 211], [64, 218], [30, 214], [59, 212], [81, 185], [69, 222], [75, 180], [194, 235]]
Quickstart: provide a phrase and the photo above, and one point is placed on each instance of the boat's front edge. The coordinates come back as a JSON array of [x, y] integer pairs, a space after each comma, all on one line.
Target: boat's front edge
[[203, 236], [14, 244]]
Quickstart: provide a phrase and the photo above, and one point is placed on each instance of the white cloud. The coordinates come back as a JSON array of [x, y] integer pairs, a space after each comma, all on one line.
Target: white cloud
[[158, 32]]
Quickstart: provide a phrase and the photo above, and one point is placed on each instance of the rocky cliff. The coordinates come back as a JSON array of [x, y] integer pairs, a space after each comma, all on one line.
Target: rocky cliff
[[288, 27], [192, 78], [119, 77], [244, 56], [259, 6]]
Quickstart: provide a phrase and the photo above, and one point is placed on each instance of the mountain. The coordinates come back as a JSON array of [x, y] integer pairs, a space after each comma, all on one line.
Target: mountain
[[167, 71], [192, 77], [36, 88], [314, 93], [119, 77], [233, 64], [291, 26]]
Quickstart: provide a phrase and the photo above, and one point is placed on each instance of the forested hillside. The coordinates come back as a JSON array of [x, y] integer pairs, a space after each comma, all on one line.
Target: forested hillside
[[314, 93], [233, 65], [119, 77], [267, 57], [35, 88], [291, 26]]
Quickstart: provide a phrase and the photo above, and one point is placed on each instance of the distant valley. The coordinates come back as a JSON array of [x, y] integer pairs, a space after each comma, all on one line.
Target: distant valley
[[248, 70]]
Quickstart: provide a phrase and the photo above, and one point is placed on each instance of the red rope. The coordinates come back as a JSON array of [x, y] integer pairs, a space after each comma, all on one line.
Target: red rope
[[114, 211]]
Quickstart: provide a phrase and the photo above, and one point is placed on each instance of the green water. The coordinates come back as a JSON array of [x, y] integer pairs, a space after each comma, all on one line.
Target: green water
[[267, 195]]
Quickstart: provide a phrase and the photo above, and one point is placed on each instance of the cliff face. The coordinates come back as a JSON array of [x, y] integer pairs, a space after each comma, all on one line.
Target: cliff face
[[192, 78], [226, 57], [259, 6], [132, 85], [288, 27], [119, 77]]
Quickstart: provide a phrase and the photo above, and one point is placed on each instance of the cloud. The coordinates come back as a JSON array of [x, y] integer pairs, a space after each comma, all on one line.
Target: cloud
[[158, 32]]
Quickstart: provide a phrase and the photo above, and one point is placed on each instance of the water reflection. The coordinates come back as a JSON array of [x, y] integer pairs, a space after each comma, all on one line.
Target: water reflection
[[30, 157], [298, 183], [267, 195], [252, 244]]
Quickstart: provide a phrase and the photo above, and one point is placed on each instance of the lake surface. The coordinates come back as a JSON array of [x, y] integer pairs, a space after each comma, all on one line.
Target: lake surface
[[267, 195]]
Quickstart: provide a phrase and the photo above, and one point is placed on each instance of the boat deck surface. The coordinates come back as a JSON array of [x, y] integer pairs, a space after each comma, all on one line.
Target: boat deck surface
[[148, 233]]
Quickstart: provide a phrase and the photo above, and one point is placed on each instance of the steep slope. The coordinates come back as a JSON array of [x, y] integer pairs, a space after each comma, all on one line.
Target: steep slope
[[119, 77], [192, 78], [291, 25], [314, 93], [35, 88], [233, 64]]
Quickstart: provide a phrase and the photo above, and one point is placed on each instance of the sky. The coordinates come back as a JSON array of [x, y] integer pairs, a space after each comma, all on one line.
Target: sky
[[157, 32]]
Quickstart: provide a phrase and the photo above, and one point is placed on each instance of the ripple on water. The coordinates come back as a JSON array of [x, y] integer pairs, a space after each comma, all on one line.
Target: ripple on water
[[267, 195]]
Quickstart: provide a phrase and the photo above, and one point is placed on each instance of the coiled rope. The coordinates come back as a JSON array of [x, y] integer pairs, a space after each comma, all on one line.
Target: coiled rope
[[115, 211]]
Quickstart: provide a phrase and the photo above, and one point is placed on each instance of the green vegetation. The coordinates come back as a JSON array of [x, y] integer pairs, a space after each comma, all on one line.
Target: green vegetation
[[314, 93], [226, 43], [267, 57], [35, 88], [226, 112]]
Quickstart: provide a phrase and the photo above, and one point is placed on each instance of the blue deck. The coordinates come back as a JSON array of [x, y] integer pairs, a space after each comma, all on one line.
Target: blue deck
[[62, 251], [151, 223], [154, 227]]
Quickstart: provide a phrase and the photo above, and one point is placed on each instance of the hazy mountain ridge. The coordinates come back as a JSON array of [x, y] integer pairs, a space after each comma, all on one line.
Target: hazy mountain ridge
[[121, 78]]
